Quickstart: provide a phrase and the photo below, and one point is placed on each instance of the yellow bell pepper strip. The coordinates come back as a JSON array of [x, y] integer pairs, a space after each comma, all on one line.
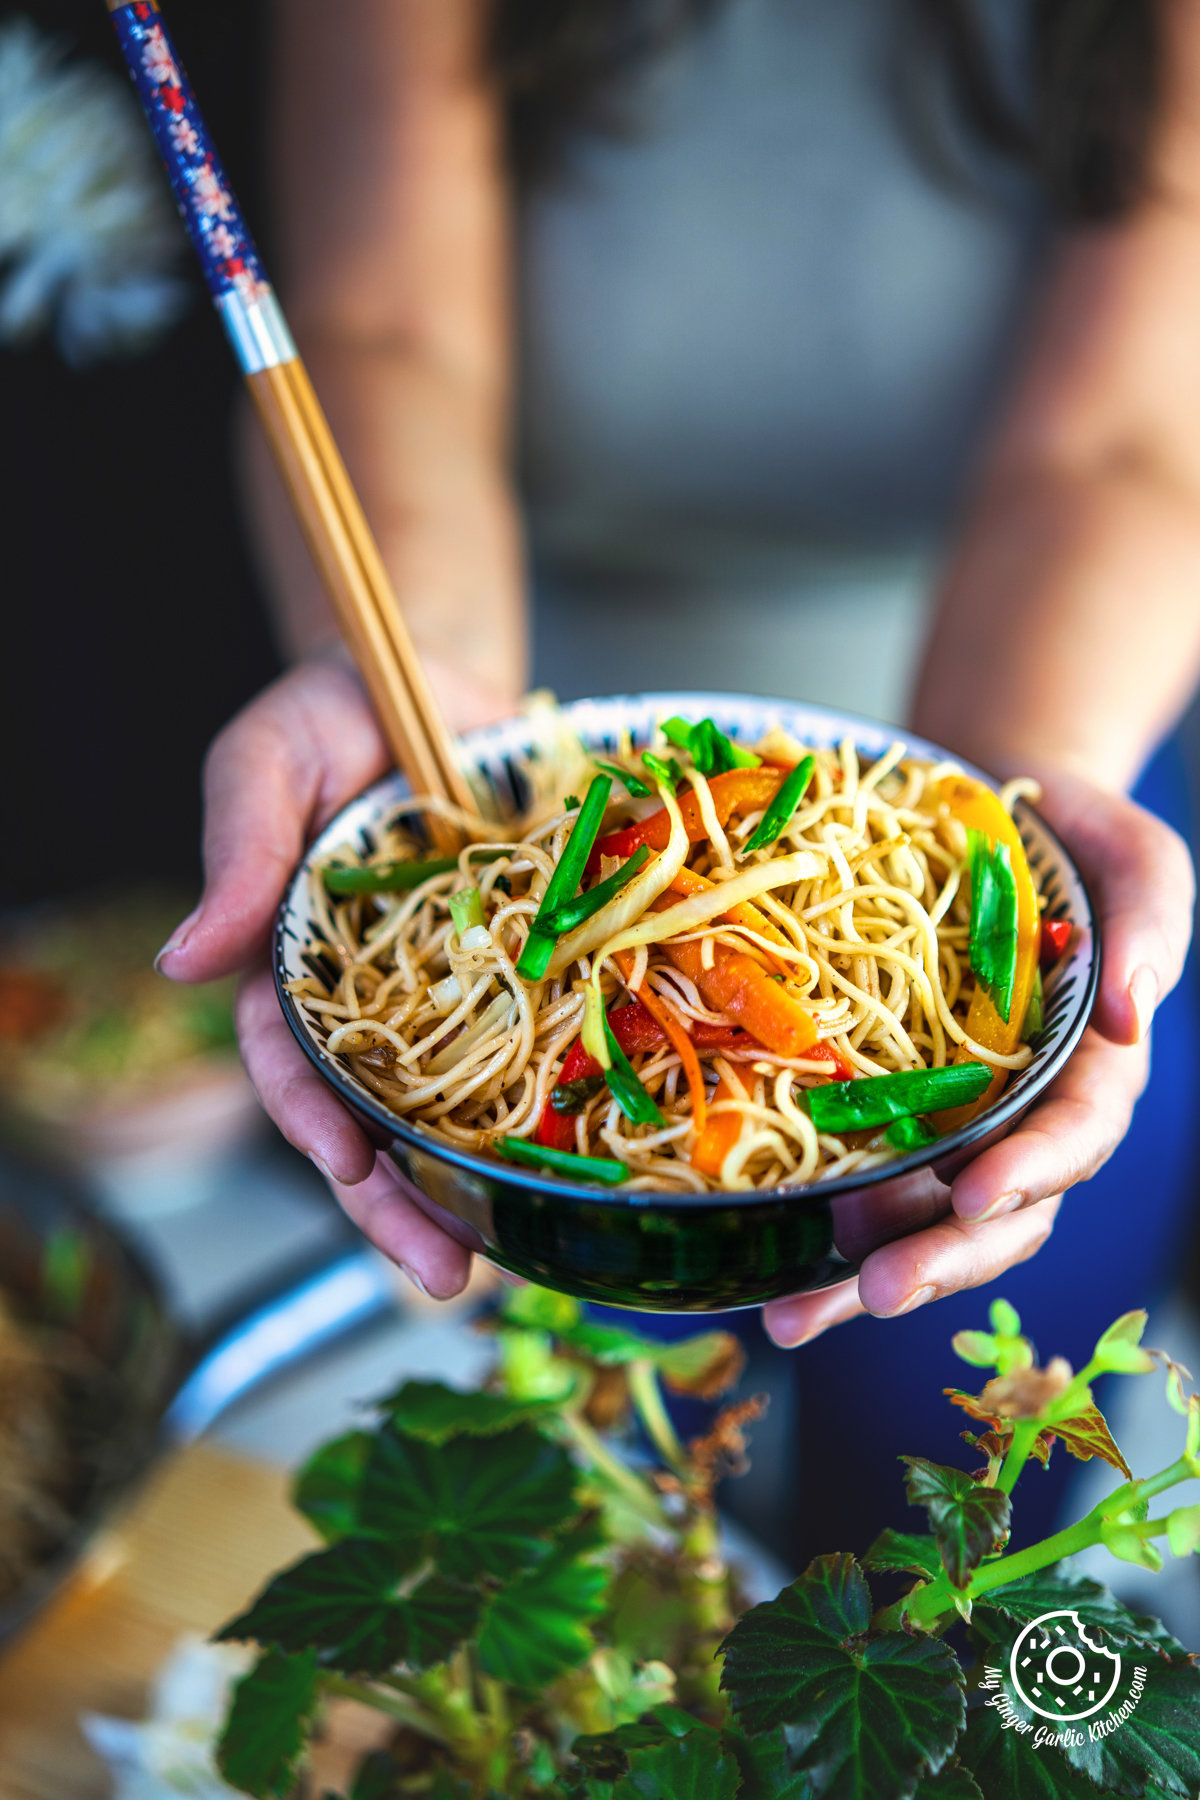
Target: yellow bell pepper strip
[[976, 807]]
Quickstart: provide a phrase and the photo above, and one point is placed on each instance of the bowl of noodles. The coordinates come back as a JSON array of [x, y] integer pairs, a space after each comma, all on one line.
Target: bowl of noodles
[[719, 994]]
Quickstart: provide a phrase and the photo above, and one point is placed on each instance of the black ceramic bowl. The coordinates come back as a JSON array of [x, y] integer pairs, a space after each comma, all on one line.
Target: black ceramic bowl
[[675, 1253]]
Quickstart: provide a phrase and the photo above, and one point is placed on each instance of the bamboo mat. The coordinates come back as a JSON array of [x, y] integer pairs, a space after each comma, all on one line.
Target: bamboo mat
[[198, 1542]]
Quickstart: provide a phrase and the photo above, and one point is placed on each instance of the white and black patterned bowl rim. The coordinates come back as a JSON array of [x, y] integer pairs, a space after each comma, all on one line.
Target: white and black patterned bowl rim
[[498, 751]]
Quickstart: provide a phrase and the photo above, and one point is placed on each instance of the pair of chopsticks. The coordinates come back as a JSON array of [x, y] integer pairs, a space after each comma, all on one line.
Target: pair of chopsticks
[[326, 504]]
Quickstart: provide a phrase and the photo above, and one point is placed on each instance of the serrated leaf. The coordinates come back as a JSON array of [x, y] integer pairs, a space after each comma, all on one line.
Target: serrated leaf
[[1158, 1742], [267, 1725], [687, 1768], [536, 1627], [766, 1768], [1085, 1434], [606, 1753], [326, 1488], [1183, 1530], [950, 1783], [434, 1412], [1007, 1767], [473, 1513], [969, 1520], [865, 1715], [1016, 1604], [344, 1602], [904, 1550]]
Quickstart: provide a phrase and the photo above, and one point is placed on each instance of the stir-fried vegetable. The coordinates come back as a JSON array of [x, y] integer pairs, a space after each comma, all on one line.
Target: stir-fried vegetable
[[539, 946], [624, 1086], [778, 815], [633, 900], [385, 878], [466, 911], [566, 918], [563, 1162], [739, 791], [634, 783], [877, 1099], [738, 985], [710, 750], [1056, 935], [993, 919], [910, 1134], [721, 1133]]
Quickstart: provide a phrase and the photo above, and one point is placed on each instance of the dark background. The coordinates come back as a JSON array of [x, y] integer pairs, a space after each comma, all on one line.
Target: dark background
[[133, 625]]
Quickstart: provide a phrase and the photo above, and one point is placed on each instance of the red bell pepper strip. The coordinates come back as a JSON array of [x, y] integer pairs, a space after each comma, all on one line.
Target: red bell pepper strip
[[737, 791], [1056, 935]]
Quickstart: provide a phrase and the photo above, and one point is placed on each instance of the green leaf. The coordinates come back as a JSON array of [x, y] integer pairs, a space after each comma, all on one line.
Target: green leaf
[[952, 1782], [1126, 1542], [1118, 1349], [345, 1602], [766, 1768], [606, 1754], [474, 1514], [1183, 1530], [704, 1365], [1007, 1767], [687, 1768], [326, 1488], [537, 1626], [975, 1347], [267, 1726], [530, 1369], [866, 1715], [905, 1550], [1004, 1318], [433, 1412], [969, 1520], [997, 1612], [1158, 1742], [540, 1307], [377, 1778]]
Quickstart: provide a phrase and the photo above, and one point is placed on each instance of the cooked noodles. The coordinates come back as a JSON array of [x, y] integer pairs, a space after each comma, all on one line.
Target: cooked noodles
[[840, 950]]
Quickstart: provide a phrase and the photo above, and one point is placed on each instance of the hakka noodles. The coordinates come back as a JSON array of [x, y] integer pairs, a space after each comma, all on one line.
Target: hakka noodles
[[709, 968]]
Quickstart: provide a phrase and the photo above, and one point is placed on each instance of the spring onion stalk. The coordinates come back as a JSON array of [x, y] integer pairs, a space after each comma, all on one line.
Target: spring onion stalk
[[634, 783], [624, 1086], [631, 903], [566, 918], [778, 815], [385, 878], [665, 771], [539, 946], [710, 750], [466, 910], [910, 1134], [993, 919], [877, 1099], [563, 1162]]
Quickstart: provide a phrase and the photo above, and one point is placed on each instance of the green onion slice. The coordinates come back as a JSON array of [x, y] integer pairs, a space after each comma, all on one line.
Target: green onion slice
[[993, 919], [395, 877], [563, 1162], [624, 1086], [566, 918], [466, 909], [911, 1134], [712, 752], [539, 946], [877, 1099], [778, 815], [636, 786], [668, 771]]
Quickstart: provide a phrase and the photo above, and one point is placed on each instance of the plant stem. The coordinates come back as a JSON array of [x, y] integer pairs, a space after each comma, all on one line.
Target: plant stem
[[632, 1488], [647, 1398], [1025, 1436], [398, 1706]]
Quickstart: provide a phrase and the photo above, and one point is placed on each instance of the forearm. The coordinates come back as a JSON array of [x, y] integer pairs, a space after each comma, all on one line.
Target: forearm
[[1068, 628]]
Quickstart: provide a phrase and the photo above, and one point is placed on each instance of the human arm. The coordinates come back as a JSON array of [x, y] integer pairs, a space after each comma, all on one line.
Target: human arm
[[1065, 643]]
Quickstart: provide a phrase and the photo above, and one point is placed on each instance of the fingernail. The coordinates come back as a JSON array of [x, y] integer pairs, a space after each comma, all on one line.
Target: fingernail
[[177, 938], [1004, 1203], [416, 1280], [324, 1167], [920, 1297], [1143, 991]]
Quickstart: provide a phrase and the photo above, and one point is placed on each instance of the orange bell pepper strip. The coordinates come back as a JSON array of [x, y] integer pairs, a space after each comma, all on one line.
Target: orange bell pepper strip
[[738, 985], [980, 810], [721, 1133], [736, 791]]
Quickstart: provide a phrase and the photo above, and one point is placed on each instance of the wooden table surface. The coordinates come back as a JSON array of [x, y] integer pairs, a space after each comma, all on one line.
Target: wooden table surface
[[195, 1546]]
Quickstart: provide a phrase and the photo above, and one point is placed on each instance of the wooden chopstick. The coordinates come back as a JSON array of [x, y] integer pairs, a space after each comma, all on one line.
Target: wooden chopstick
[[321, 491]]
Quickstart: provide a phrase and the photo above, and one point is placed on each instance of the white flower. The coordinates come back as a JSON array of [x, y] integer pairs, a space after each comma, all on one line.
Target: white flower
[[88, 237], [183, 136], [157, 60], [171, 1754]]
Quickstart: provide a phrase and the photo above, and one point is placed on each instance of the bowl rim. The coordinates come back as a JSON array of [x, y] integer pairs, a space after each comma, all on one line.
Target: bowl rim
[[526, 1178]]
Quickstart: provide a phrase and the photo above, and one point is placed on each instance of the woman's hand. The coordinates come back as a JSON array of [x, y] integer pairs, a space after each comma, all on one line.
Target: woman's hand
[[1140, 876], [273, 777]]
